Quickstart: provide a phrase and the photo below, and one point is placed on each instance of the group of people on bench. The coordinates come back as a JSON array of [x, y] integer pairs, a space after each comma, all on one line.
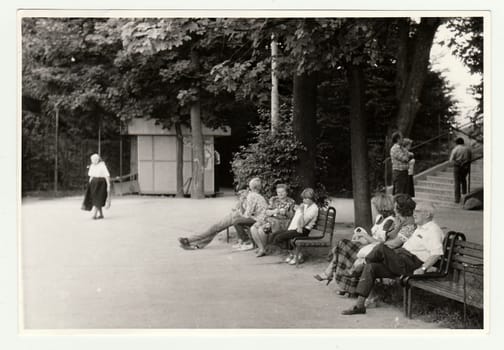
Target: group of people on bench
[[404, 239], [257, 221]]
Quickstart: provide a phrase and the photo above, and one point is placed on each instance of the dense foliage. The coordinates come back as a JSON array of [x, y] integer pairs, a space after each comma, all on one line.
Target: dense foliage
[[272, 158], [100, 73]]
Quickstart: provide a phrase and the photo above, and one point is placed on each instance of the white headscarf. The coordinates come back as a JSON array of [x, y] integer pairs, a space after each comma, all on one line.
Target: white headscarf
[[95, 158]]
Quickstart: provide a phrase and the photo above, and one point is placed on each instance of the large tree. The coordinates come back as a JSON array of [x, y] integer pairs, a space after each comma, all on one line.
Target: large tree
[[413, 53]]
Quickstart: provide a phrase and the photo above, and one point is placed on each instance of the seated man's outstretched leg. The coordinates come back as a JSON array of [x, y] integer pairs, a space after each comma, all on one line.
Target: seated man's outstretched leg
[[399, 261], [242, 226], [202, 239], [371, 272], [381, 262]]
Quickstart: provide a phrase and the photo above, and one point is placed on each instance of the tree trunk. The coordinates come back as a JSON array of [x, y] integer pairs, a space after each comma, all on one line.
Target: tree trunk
[[179, 146], [275, 117], [359, 147], [198, 151], [402, 57], [304, 123], [56, 148], [410, 92]]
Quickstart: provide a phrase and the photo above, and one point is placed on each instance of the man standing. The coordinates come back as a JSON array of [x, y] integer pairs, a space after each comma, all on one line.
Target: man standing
[[420, 252], [460, 157]]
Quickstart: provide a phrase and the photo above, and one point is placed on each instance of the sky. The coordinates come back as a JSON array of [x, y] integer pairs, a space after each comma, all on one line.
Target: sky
[[455, 72]]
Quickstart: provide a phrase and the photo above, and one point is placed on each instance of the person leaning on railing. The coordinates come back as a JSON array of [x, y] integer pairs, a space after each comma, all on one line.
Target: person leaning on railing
[[400, 158]]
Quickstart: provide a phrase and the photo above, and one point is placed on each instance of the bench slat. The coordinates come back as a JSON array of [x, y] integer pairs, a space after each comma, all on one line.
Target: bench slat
[[476, 253], [457, 258], [468, 269], [451, 290], [470, 245]]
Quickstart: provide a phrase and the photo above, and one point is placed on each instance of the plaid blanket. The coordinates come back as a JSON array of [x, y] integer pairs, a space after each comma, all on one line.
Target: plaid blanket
[[345, 254]]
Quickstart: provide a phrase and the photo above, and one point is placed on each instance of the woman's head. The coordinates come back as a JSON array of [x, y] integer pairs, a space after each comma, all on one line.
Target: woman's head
[[281, 190], [95, 158], [255, 184], [384, 204], [396, 137], [308, 195], [404, 205]]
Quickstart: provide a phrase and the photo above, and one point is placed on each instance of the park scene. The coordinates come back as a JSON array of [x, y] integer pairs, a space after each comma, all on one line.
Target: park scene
[[252, 173]]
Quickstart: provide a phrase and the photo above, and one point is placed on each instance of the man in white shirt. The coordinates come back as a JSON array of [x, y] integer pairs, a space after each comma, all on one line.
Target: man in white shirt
[[419, 253]]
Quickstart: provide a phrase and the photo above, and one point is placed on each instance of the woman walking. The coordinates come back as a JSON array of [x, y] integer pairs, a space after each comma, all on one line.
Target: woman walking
[[98, 191]]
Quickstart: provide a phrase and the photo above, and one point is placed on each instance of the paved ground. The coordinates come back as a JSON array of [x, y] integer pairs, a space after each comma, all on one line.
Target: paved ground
[[127, 271]]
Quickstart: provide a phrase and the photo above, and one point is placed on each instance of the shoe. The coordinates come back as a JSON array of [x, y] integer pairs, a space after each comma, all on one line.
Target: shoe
[[299, 260], [237, 245], [289, 258], [320, 279], [371, 302], [246, 246], [184, 241], [354, 311], [260, 253]]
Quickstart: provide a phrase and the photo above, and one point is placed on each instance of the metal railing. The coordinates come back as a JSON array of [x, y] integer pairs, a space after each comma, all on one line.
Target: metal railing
[[388, 164]]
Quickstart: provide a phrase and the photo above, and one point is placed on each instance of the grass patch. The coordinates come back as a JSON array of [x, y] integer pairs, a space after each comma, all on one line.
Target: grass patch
[[429, 307]]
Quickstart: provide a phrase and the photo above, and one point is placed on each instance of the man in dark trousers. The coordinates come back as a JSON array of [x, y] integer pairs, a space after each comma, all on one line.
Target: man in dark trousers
[[418, 254], [460, 157]]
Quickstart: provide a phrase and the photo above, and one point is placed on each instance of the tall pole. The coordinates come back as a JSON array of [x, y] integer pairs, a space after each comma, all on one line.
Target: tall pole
[[99, 136], [56, 147], [120, 157], [275, 119]]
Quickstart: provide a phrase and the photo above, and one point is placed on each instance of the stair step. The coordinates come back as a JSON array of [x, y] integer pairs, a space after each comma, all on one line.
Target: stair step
[[450, 174], [449, 179], [446, 191], [433, 184], [435, 197], [438, 204]]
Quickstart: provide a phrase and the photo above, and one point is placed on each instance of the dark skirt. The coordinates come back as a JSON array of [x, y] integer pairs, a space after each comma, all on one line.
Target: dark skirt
[[96, 194], [411, 186], [400, 181]]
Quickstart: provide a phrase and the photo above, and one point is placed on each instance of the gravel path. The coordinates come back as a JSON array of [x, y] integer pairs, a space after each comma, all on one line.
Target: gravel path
[[127, 271]]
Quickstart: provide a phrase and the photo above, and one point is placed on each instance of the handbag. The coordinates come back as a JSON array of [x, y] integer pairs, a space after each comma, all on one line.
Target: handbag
[[108, 203], [87, 203]]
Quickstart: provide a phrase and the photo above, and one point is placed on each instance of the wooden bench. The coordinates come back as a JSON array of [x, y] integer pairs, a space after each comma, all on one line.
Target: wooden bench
[[459, 276], [321, 235]]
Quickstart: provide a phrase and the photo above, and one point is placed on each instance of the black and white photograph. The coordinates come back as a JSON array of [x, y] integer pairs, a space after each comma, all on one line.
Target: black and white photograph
[[260, 170]]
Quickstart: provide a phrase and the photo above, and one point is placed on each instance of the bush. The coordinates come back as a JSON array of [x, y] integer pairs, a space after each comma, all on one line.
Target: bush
[[272, 159]]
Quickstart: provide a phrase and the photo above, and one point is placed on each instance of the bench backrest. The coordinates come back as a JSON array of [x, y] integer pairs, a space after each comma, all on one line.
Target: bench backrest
[[326, 220], [466, 267], [448, 244]]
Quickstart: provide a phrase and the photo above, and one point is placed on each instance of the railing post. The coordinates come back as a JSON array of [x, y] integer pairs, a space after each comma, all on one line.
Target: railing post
[[469, 179]]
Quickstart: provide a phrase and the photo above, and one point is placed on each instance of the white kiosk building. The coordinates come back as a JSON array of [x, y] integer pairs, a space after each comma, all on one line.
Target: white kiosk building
[[153, 156]]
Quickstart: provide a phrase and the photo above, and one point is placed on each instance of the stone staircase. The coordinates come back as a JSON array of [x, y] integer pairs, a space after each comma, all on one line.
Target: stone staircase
[[436, 185]]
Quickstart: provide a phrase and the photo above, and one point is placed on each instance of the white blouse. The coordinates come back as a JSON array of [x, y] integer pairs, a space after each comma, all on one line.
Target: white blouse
[[98, 170], [310, 214]]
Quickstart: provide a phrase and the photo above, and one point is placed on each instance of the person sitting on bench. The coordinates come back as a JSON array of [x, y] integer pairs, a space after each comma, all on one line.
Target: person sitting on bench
[[305, 218], [421, 251], [248, 208], [278, 216]]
